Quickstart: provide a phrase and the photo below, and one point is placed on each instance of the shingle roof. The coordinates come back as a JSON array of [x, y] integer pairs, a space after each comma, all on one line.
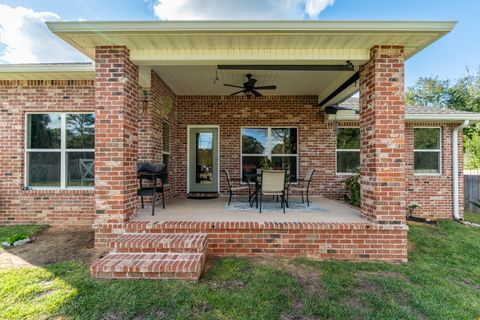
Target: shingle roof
[[354, 104]]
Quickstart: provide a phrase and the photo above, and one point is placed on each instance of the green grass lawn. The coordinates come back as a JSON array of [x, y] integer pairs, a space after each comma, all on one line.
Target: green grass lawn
[[441, 281]]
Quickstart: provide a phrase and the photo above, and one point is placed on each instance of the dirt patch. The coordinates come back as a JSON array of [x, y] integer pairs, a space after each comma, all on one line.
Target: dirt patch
[[309, 278], [471, 284], [53, 245]]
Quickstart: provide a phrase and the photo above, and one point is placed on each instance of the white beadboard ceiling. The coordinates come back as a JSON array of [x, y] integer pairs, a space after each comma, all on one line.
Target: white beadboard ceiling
[[199, 80]]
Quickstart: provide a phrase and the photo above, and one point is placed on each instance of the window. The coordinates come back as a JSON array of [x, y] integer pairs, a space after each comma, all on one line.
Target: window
[[348, 150], [60, 149], [166, 151], [427, 150], [278, 144]]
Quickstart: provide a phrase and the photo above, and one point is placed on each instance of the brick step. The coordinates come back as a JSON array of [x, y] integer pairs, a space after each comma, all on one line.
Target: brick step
[[183, 266], [160, 242]]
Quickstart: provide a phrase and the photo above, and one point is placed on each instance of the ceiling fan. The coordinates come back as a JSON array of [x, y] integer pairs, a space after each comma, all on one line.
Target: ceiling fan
[[249, 88]]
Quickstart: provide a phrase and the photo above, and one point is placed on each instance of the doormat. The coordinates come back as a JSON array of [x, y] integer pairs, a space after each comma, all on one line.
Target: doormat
[[202, 195]]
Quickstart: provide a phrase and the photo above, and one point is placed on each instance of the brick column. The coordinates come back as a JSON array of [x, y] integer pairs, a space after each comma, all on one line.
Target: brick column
[[116, 134], [382, 136]]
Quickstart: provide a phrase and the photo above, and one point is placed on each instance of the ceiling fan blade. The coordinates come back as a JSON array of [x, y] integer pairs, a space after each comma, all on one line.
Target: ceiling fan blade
[[235, 93], [256, 93], [266, 88], [232, 85]]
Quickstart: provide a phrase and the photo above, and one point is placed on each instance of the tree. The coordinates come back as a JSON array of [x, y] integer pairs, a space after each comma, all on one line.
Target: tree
[[432, 92]]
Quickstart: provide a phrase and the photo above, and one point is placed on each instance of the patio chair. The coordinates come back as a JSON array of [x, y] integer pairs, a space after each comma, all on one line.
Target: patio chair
[[232, 189], [303, 187], [151, 173], [273, 184]]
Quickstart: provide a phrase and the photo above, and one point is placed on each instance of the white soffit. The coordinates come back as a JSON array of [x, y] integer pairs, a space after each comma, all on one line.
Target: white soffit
[[47, 71]]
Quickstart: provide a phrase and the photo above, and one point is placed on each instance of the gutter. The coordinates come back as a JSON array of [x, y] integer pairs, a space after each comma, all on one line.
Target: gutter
[[456, 214], [447, 117]]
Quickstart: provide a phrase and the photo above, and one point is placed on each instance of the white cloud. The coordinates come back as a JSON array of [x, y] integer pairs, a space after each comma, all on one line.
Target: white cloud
[[314, 7], [24, 38], [239, 9]]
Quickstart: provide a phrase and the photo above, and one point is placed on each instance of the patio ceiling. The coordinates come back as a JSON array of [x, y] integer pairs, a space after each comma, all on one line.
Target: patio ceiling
[[185, 53]]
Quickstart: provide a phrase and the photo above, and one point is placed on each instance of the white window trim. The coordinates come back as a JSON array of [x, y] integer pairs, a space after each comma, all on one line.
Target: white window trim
[[63, 152], [269, 142], [439, 150], [343, 150]]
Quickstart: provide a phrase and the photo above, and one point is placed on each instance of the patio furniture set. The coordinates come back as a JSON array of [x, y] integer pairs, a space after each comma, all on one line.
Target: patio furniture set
[[275, 183]]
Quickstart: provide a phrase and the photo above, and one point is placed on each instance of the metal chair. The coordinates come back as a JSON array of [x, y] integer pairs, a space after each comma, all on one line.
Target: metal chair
[[303, 187], [273, 184], [151, 173], [232, 189]]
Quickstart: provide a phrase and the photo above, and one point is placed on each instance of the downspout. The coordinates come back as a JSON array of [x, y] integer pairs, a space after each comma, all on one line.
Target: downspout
[[456, 214]]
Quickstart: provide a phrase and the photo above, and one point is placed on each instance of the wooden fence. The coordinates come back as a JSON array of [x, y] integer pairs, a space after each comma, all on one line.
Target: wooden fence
[[471, 192]]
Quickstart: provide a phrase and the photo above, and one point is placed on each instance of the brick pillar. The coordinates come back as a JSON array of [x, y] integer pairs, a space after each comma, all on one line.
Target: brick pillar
[[116, 134], [382, 136]]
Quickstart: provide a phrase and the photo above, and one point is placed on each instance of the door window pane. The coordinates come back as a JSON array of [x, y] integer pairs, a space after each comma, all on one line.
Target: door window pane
[[254, 140], [44, 169], [80, 131], [286, 163], [204, 158], [43, 131], [80, 169], [427, 162], [284, 141], [348, 161]]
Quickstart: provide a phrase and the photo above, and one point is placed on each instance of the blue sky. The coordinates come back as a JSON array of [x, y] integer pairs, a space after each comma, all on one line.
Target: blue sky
[[23, 37]]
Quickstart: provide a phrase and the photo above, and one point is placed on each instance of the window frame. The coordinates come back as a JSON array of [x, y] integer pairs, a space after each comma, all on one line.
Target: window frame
[[62, 150], [344, 150], [269, 147], [439, 151], [163, 148]]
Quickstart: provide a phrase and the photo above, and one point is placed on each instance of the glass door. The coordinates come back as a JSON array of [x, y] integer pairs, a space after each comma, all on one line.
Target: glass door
[[203, 160]]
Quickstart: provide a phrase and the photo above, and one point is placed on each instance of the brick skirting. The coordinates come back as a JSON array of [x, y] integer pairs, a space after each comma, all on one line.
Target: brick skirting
[[343, 241]]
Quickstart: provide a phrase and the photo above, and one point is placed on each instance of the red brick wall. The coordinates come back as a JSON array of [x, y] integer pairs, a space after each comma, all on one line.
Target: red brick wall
[[382, 136], [62, 207], [116, 134], [355, 241]]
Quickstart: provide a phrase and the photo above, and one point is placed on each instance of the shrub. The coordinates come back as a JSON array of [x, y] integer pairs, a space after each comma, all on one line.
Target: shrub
[[352, 189]]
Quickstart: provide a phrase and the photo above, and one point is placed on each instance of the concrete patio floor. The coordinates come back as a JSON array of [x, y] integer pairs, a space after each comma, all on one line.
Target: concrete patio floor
[[183, 209]]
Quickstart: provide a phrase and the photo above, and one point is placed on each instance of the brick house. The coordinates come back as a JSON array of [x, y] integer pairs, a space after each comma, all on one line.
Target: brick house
[[73, 134]]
